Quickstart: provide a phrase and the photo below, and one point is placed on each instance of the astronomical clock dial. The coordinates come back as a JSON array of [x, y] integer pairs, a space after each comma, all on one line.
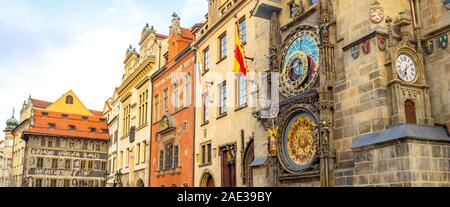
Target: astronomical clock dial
[[300, 63], [406, 68], [299, 142]]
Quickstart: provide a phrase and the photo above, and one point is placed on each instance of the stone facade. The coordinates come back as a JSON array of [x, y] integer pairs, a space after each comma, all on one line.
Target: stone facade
[[410, 163], [64, 162]]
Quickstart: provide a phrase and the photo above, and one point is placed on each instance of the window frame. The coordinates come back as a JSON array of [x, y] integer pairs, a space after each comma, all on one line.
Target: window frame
[[222, 46], [206, 59], [223, 98], [243, 30]]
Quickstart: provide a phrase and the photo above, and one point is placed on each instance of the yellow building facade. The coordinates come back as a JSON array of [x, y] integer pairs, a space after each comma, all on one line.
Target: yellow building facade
[[225, 129], [130, 114]]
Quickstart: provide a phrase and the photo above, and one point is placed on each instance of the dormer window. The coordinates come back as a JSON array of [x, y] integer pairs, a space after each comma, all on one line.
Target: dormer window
[[72, 127], [65, 116], [51, 125], [104, 130], [69, 100], [92, 129], [44, 113], [85, 118]]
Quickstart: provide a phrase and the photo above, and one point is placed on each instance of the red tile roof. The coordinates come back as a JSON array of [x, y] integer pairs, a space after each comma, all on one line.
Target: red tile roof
[[187, 33], [82, 127], [40, 104]]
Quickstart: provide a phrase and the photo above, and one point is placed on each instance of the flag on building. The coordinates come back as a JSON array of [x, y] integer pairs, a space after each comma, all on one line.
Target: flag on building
[[239, 55]]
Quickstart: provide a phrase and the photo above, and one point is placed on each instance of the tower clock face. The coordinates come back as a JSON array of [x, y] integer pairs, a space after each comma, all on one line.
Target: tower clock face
[[406, 68], [300, 63]]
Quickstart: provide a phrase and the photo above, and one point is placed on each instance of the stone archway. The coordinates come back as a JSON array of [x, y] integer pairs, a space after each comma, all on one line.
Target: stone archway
[[140, 183], [207, 180]]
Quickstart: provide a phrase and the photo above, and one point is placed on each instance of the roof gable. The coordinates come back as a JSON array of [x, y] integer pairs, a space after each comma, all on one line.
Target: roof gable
[[75, 107]]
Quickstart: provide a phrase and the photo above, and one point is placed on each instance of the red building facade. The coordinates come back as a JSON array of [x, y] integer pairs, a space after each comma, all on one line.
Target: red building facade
[[172, 152]]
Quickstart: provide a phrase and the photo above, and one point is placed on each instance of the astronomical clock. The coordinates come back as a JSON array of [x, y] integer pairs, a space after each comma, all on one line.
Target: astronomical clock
[[300, 63], [301, 52]]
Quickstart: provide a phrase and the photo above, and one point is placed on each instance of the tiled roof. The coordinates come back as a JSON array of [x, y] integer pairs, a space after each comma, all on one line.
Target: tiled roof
[[187, 33], [40, 104], [43, 119]]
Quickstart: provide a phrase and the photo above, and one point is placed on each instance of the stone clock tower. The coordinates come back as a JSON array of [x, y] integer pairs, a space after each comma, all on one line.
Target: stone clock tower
[[408, 88]]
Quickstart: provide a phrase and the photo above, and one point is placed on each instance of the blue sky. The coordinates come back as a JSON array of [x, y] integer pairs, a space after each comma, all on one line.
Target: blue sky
[[48, 47]]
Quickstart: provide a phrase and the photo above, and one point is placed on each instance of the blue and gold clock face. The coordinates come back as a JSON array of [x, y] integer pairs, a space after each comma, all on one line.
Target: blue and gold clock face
[[300, 63]]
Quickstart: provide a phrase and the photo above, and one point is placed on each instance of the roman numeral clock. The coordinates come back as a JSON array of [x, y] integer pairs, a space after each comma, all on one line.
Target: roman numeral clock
[[408, 90]]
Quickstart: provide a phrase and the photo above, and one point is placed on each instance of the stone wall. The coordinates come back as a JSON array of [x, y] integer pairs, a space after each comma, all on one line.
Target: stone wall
[[409, 163]]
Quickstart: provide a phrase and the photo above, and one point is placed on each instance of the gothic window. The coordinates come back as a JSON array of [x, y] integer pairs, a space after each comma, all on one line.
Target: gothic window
[[410, 112], [69, 100]]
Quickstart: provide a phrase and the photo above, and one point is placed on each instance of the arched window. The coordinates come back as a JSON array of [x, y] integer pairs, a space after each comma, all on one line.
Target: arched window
[[69, 100], [410, 112]]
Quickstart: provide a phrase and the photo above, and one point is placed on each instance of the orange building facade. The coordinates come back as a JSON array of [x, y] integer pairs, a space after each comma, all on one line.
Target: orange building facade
[[172, 154]]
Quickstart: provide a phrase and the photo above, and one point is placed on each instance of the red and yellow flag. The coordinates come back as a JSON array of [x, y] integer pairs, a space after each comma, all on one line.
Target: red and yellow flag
[[239, 63]]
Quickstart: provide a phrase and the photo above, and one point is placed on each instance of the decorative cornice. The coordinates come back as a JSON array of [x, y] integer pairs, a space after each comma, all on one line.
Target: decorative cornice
[[137, 75]]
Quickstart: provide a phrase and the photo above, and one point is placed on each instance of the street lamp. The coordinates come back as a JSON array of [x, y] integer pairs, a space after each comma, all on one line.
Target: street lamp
[[118, 180], [106, 175]]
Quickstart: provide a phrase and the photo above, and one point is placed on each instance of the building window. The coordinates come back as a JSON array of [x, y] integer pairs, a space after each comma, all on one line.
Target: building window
[[92, 129], [116, 136], [144, 149], [65, 116], [175, 156], [223, 98], [85, 145], [206, 60], [38, 182], [90, 165], [243, 30], [223, 46], [69, 100], [166, 101], [137, 154], [103, 166], [51, 126], [157, 108], [205, 108], [105, 131], [126, 119], [176, 96], [169, 157], [40, 162], [55, 164], [410, 112], [50, 143], [127, 157], [187, 89], [53, 183], [83, 165], [161, 160], [71, 145], [97, 147], [66, 183], [68, 165], [242, 90], [121, 160], [44, 113], [206, 154], [143, 108], [85, 118], [72, 128]]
